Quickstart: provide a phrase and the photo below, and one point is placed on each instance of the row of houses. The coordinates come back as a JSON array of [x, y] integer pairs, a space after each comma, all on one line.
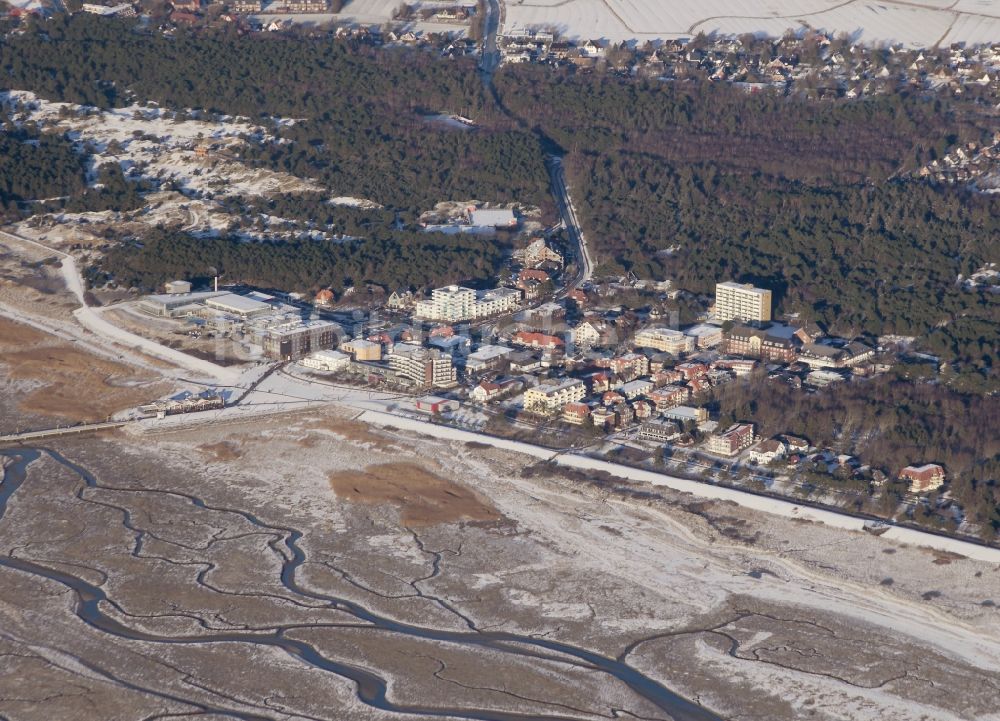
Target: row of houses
[[812, 63]]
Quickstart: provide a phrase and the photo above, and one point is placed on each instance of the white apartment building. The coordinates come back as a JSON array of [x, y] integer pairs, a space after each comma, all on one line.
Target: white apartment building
[[739, 301], [665, 340], [327, 360], [454, 303], [705, 335], [427, 366], [550, 396]]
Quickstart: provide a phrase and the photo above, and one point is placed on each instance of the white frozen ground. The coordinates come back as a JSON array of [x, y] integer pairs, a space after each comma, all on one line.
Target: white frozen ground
[[920, 23], [825, 573], [294, 390], [146, 143], [371, 12]]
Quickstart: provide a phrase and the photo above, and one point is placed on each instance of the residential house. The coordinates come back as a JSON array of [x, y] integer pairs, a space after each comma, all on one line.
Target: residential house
[[604, 417], [590, 333], [485, 392], [666, 340], [690, 371], [487, 358], [643, 409], [327, 360], [739, 367], [600, 383], [362, 350], [659, 430], [628, 366], [731, 441], [536, 340], [927, 477], [795, 444], [666, 377], [399, 300], [669, 397], [635, 389], [767, 452], [546, 317], [705, 335], [551, 395], [686, 413], [538, 254], [426, 366], [576, 413], [523, 362]]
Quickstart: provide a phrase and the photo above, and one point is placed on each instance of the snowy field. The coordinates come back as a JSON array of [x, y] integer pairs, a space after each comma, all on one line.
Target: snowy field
[[368, 13], [916, 24]]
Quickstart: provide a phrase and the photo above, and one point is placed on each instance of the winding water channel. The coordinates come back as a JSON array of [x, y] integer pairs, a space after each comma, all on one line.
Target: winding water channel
[[371, 687]]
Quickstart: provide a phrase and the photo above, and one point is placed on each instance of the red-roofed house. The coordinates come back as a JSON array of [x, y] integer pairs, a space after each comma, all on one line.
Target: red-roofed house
[[923, 478], [576, 413], [485, 392], [537, 340], [600, 382], [669, 397], [692, 370]]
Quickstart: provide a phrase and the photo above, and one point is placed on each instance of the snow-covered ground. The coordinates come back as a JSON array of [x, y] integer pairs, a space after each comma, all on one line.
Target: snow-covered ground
[[371, 12], [195, 154], [922, 24]]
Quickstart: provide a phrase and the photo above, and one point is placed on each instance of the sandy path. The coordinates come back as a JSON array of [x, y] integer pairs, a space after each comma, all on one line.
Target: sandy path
[[91, 319]]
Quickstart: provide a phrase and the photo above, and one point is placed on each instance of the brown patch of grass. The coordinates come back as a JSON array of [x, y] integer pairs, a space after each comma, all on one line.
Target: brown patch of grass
[[222, 451], [76, 385], [943, 558], [424, 498], [354, 431]]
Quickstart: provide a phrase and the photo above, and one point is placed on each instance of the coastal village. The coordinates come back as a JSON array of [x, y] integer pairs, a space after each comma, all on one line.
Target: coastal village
[[621, 366], [570, 364]]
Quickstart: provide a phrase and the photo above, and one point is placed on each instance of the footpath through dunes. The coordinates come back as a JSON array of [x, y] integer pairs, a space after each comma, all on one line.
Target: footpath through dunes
[[423, 498], [96, 606]]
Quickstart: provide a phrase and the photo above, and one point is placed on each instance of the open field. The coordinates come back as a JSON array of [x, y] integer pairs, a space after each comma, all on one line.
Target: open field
[[372, 12], [46, 379], [916, 24], [749, 615]]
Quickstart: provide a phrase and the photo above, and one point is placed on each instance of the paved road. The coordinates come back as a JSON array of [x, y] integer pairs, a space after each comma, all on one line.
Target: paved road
[[54, 432], [491, 53], [569, 219]]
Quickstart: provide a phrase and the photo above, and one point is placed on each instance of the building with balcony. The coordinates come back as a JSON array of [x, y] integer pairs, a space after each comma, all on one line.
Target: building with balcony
[[550, 396], [742, 302], [454, 303], [428, 367], [298, 338], [665, 340], [927, 477], [732, 440]]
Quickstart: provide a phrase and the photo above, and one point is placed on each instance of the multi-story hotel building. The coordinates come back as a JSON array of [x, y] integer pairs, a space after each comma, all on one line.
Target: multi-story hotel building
[[739, 301], [427, 366], [454, 303]]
